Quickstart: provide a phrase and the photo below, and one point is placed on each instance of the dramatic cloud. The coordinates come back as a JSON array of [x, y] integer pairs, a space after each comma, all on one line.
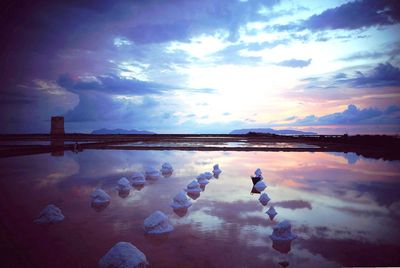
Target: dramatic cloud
[[356, 14], [111, 84], [294, 63], [384, 74], [354, 116]]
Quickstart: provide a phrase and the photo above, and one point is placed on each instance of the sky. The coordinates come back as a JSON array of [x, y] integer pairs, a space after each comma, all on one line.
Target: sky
[[212, 66]]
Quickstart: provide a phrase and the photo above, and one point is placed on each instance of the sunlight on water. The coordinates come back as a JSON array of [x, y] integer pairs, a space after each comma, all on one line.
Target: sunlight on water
[[345, 209]]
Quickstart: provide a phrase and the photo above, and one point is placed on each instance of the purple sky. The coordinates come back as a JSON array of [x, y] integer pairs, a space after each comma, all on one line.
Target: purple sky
[[201, 66]]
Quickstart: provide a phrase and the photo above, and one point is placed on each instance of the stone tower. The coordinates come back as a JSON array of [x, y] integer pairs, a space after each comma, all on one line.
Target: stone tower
[[57, 125]]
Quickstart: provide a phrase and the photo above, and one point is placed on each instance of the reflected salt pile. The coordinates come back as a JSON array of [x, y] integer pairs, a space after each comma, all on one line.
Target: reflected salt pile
[[152, 174], [181, 201], [216, 170], [157, 223], [254, 191], [193, 187], [258, 172], [264, 199], [123, 255], [166, 170], [49, 214], [208, 175], [282, 237], [100, 199], [124, 185], [138, 179], [282, 232], [260, 186], [284, 264], [271, 212], [194, 195], [258, 176], [202, 179]]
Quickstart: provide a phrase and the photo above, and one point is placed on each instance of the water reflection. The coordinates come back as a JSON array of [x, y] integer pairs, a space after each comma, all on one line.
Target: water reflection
[[344, 206]]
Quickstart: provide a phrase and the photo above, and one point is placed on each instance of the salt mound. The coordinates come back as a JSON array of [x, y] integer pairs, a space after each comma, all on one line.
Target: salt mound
[[152, 174], [123, 255], [100, 198], [271, 212], [202, 179], [124, 185], [49, 214], [193, 187], [157, 223], [264, 199], [181, 201], [216, 169], [166, 168], [138, 178], [282, 232], [208, 175], [260, 186]]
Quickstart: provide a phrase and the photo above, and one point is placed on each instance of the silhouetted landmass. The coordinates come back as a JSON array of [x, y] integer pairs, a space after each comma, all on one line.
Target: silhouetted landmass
[[372, 146], [270, 131], [121, 131]]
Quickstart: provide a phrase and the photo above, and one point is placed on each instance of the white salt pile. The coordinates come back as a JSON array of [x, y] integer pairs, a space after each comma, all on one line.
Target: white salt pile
[[166, 168], [100, 198], [282, 232], [208, 175], [138, 178], [157, 223], [181, 201], [193, 187], [123, 255], [124, 185], [49, 214], [271, 212], [260, 186], [264, 199], [202, 179], [216, 169], [152, 173]]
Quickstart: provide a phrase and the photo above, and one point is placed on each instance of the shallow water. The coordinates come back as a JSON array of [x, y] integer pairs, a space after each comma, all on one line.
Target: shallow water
[[239, 144], [345, 209]]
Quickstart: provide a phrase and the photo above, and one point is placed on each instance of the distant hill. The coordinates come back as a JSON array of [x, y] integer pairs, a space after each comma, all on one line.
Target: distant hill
[[120, 131], [271, 131]]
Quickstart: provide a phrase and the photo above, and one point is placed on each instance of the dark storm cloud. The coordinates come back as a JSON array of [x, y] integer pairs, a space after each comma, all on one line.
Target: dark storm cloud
[[295, 63], [349, 16], [356, 14], [382, 75], [112, 84], [116, 85], [103, 107], [390, 52], [353, 115], [385, 74]]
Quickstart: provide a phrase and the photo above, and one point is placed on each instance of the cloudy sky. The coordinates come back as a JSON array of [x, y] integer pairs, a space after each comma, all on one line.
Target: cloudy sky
[[189, 66]]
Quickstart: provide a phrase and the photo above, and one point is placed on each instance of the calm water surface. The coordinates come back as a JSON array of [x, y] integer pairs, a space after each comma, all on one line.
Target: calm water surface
[[344, 209]]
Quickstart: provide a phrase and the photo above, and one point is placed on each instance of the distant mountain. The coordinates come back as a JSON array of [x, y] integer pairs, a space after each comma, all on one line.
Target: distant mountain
[[120, 131], [271, 131]]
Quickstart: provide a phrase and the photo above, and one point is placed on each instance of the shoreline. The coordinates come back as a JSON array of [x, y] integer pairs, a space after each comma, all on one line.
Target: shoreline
[[372, 146]]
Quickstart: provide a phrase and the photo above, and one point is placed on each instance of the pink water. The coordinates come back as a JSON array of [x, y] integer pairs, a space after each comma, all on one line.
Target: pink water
[[344, 209]]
